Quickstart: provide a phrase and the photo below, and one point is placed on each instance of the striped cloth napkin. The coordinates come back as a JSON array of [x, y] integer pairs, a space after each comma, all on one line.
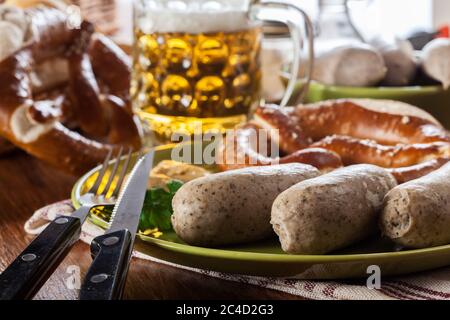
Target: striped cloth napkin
[[434, 285]]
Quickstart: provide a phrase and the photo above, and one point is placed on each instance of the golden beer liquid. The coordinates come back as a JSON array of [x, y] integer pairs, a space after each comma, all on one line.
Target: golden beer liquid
[[182, 81]]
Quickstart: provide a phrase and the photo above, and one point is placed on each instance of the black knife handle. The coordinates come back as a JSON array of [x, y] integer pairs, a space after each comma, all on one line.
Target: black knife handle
[[31, 269], [106, 276]]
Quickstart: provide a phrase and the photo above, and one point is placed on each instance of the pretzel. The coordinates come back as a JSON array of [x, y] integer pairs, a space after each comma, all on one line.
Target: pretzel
[[405, 140], [5, 146], [104, 53], [387, 122], [357, 151], [403, 175], [237, 151], [92, 116], [291, 136]]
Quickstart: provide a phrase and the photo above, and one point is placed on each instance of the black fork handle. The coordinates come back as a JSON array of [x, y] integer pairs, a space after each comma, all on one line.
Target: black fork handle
[[32, 268]]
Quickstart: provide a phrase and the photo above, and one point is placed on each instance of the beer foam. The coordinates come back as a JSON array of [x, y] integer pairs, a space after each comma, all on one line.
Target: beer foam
[[194, 22]]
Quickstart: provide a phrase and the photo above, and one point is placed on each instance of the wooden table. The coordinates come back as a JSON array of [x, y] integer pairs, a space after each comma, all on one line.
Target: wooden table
[[27, 184]]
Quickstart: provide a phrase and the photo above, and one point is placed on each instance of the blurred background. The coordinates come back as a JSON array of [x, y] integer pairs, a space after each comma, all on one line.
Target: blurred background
[[372, 17], [398, 29]]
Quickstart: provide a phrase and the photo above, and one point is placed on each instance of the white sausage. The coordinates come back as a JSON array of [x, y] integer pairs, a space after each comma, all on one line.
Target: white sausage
[[332, 211], [417, 213], [233, 207]]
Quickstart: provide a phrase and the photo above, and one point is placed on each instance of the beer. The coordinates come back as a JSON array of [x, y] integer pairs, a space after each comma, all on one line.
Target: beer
[[198, 70]]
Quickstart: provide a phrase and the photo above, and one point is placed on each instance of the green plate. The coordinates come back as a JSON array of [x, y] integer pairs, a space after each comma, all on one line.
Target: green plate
[[267, 259]]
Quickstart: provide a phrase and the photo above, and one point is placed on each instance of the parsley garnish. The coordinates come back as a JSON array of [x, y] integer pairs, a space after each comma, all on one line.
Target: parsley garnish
[[157, 208]]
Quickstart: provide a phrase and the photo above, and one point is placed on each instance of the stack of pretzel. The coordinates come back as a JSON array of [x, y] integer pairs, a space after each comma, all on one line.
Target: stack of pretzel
[[64, 94], [405, 140]]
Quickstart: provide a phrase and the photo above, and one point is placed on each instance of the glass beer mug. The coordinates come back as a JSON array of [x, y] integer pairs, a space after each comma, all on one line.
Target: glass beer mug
[[196, 64]]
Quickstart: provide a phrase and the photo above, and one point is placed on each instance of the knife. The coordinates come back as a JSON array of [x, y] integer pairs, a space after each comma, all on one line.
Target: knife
[[111, 252]]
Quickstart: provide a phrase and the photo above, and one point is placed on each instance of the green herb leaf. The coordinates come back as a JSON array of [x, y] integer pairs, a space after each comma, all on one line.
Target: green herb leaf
[[174, 185], [157, 208]]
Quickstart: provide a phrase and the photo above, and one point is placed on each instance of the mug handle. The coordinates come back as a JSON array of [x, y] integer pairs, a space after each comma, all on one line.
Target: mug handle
[[282, 12]]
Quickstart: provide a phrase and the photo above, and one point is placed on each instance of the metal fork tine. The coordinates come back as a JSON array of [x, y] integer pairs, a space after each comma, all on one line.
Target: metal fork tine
[[122, 174], [101, 174], [113, 173]]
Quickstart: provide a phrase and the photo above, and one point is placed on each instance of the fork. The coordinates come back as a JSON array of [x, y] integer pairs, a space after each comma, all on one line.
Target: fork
[[92, 198], [31, 269]]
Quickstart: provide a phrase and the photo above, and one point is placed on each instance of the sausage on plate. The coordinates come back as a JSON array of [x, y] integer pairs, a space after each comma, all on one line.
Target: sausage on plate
[[331, 211], [417, 214], [233, 207]]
